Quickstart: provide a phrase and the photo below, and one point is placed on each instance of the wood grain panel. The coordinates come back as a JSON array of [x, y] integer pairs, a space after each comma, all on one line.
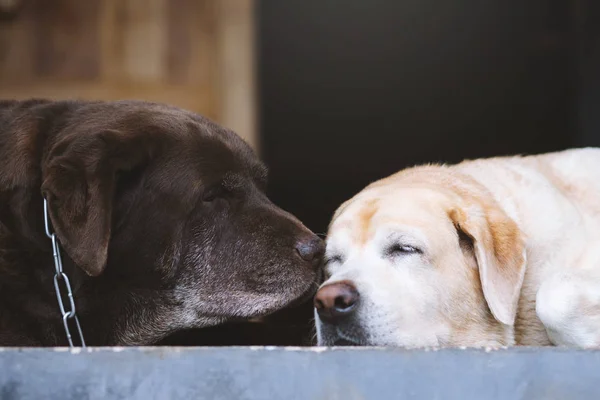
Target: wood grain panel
[[191, 31], [66, 38], [16, 47], [196, 54], [197, 100], [144, 40], [235, 54], [179, 37]]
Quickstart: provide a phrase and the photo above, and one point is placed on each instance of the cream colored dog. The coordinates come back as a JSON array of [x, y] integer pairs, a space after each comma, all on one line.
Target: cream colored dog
[[490, 252]]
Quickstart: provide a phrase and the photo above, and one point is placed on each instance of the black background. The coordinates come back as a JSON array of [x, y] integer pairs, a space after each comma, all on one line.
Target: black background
[[354, 90]]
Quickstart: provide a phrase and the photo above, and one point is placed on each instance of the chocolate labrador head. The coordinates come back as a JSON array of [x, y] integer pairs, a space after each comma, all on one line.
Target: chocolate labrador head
[[162, 217]]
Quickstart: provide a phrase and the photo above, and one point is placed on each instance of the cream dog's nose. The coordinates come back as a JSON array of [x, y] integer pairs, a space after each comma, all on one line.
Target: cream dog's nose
[[336, 301]]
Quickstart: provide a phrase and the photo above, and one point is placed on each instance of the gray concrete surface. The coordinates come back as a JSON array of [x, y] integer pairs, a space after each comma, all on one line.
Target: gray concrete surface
[[299, 373]]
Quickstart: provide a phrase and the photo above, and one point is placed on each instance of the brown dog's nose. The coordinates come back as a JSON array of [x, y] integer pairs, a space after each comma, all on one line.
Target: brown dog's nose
[[311, 249], [336, 300]]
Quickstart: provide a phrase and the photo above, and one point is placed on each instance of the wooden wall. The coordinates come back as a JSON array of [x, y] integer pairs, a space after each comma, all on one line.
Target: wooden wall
[[196, 54]]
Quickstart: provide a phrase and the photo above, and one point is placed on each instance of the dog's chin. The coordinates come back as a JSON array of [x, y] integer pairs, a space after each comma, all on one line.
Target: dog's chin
[[331, 336], [345, 343], [339, 341], [301, 296], [305, 296]]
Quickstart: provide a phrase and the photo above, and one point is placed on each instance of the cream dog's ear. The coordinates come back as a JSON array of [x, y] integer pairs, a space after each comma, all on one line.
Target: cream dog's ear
[[500, 253]]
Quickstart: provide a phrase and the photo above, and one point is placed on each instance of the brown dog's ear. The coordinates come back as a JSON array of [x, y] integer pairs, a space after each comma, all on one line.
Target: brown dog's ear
[[500, 253], [79, 184]]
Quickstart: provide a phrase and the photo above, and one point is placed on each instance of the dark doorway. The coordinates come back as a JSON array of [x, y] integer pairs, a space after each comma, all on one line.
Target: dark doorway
[[354, 90]]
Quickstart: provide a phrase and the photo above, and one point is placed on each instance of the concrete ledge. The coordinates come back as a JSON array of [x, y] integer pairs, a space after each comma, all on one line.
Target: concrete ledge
[[299, 373]]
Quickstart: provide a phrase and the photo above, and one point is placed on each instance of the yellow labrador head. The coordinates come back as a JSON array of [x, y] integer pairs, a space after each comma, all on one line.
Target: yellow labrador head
[[424, 259]]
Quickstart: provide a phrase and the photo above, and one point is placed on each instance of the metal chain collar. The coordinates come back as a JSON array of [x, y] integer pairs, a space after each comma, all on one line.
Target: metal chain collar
[[61, 277]]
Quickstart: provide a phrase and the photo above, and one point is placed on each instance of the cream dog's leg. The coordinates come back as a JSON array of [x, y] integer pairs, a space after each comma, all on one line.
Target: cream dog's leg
[[568, 304]]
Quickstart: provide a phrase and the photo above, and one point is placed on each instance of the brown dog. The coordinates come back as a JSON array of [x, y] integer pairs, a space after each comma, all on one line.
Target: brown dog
[[162, 219]]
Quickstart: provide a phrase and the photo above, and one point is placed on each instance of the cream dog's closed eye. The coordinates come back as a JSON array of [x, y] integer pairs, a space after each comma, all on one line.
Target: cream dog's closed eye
[[489, 252]]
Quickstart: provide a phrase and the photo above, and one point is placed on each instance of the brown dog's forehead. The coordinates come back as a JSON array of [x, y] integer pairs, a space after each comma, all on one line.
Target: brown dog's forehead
[[198, 141], [189, 151], [207, 161], [231, 164]]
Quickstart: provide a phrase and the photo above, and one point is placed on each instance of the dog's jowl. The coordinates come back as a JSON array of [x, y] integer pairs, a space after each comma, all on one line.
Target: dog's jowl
[[162, 220]]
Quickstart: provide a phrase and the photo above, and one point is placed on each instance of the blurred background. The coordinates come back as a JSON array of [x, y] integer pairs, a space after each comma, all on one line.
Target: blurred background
[[333, 94]]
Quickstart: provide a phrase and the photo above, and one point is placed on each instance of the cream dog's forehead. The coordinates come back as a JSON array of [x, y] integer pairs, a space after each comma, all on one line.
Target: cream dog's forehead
[[374, 212], [390, 199]]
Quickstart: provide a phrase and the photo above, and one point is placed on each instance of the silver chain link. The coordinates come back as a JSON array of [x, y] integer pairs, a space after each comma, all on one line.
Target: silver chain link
[[61, 277]]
